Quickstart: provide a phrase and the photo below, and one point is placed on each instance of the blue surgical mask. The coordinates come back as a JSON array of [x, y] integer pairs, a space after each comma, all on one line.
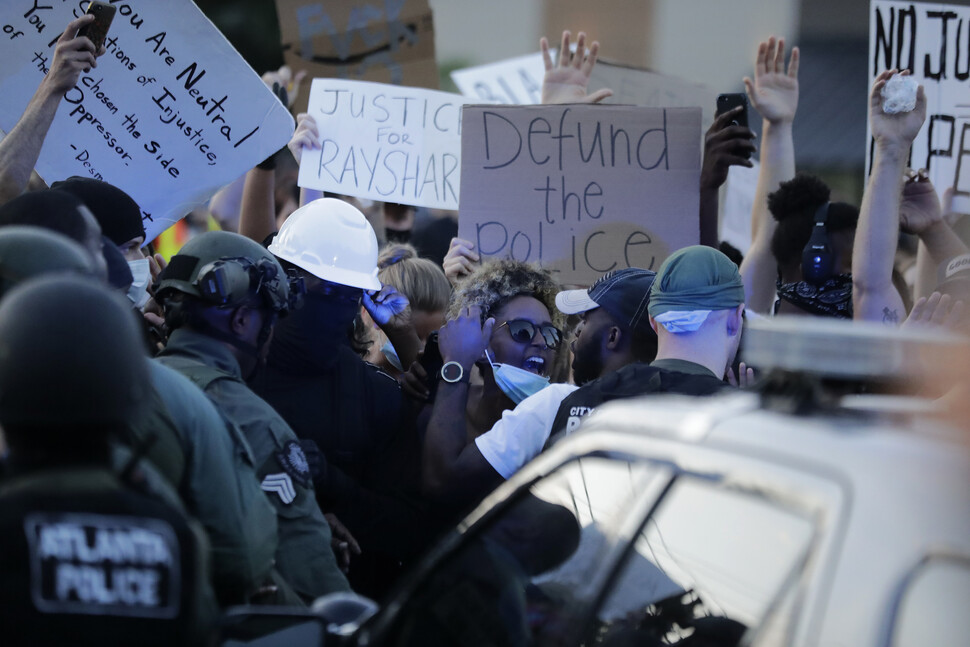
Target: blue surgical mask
[[141, 274], [516, 383]]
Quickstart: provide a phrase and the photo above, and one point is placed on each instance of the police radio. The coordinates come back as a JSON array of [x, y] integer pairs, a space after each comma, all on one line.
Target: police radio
[[817, 257]]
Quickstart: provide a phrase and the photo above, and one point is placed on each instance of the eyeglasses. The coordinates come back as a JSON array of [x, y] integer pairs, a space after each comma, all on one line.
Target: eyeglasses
[[524, 331]]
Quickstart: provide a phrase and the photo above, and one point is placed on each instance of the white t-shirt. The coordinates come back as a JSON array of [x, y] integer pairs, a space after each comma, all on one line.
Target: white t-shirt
[[520, 434]]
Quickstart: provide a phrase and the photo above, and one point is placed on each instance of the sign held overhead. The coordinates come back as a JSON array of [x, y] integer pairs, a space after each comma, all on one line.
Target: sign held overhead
[[580, 189]]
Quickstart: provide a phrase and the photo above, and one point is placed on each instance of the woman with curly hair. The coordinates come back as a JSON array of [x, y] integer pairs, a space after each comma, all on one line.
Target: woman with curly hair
[[503, 321], [812, 279]]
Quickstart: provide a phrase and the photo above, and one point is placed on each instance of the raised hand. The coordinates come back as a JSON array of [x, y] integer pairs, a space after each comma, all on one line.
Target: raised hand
[[465, 339], [306, 135], [72, 55], [566, 80], [725, 146], [920, 206], [461, 260], [898, 129], [774, 92]]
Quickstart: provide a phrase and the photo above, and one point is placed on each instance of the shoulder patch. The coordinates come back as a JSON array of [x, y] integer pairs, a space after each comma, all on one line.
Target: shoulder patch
[[294, 462], [282, 485]]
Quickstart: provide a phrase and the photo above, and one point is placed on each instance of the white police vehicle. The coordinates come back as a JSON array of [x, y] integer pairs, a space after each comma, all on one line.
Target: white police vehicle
[[782, 518]]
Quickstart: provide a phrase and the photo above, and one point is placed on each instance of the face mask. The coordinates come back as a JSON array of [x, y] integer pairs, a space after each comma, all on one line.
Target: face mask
[[516, 383], [391, 355], [307, 340], [683, 320], [142, 274], [833, 298]]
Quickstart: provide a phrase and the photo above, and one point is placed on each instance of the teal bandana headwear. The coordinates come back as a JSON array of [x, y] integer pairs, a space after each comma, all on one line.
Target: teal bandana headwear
[[696, 278]]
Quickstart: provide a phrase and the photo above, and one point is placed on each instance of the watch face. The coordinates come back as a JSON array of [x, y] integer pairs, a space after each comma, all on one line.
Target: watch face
[[452, 372]]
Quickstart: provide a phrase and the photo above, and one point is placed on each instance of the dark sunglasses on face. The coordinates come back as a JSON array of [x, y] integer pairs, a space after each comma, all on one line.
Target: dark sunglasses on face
[[523, 331]]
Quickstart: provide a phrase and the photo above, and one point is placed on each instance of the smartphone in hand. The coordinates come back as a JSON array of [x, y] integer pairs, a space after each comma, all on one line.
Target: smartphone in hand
[[727, 102], [431, 361], [97, 29]]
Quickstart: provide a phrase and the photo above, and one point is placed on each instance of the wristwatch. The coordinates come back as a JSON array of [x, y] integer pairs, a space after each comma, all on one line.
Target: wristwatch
[[452, 372]]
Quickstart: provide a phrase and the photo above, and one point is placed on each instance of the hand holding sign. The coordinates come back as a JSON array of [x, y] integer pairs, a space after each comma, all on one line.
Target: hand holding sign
[[566, 81], [306, 136]]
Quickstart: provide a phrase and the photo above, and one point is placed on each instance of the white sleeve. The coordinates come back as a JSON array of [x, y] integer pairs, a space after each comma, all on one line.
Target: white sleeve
[[520, 434]]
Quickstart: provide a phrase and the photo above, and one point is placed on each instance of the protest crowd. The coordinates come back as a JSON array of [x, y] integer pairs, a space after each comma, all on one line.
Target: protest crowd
[[300, 401]]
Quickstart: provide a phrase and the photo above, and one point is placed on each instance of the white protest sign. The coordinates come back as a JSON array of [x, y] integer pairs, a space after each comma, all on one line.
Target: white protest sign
[[930, 40], [515, 81], [385, 142], [170, 114], [581, 189], [736, 207]]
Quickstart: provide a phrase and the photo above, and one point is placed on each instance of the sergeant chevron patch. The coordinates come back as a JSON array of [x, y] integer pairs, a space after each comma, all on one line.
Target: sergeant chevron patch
[[282, 484]]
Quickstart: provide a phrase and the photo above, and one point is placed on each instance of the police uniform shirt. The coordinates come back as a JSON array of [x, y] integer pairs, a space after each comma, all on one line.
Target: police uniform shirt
[[304, 558], [219, 488], [661, 376], [88, 560]]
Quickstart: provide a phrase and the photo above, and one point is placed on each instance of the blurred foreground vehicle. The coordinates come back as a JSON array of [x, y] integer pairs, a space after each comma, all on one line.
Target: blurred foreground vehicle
[[786, 516]]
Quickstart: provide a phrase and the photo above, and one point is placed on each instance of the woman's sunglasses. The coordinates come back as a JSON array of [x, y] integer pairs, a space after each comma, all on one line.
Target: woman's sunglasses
[[523, 331]]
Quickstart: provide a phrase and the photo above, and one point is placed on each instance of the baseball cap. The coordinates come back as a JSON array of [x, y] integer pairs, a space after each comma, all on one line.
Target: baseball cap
[[622, 293]]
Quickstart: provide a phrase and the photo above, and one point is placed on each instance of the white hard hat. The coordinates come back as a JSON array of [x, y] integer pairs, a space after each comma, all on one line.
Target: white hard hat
[[331, 240]]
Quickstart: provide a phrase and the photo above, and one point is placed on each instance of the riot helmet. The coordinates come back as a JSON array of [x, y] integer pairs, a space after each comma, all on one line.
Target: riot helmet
[[27, 252]]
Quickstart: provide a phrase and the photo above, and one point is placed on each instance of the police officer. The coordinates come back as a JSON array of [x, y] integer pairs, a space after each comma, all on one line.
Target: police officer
[[182, 436], [222, 294], [86, 558]]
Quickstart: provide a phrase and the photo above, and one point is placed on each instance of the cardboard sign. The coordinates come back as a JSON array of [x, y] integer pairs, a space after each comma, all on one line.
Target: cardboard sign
[[170, 114], [385, 142], [581, 189], [640, 87], [388, 41], [930, 40], [516, 81]]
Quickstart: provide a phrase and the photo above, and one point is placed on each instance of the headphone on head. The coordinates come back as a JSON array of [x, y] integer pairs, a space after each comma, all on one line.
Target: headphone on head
[[818, 261]]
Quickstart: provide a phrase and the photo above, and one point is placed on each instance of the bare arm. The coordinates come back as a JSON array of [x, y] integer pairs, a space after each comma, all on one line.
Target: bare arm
[[874, 297], [20, 149], [725, 145], [920, 214], [774, 93], [451, 466]]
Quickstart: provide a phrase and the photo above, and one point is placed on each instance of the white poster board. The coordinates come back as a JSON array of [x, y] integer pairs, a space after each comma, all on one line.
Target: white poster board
[[515, 81], [385, 142], [170, 114], [930, 39], [737, 204]]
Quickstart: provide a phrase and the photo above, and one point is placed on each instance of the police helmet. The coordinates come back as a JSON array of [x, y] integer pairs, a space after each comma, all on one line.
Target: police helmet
[[226, 269], [70, 355], [27, 251]]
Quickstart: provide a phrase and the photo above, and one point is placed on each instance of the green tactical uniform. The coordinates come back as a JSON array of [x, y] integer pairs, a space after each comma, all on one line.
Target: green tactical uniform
[[304, 558], [217, 484]]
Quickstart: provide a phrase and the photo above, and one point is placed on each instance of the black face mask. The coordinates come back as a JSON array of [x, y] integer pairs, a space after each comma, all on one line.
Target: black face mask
[[307, 340], [833, 298]]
